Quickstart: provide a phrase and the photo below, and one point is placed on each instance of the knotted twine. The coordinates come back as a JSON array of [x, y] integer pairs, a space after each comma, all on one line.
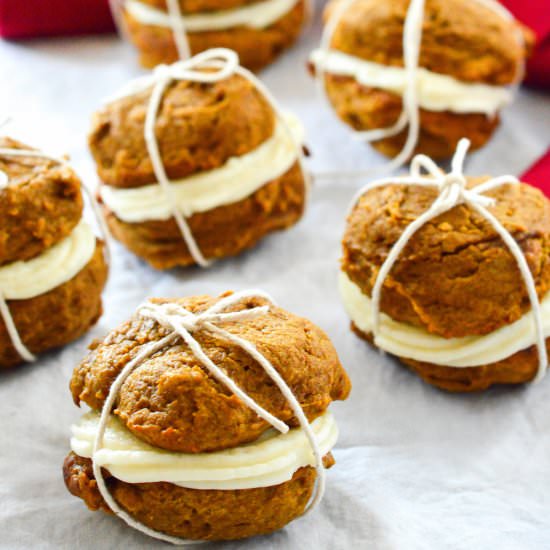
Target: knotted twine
[[5, 313], [207, 67], [183, 323], [452, 191], [410, 113]]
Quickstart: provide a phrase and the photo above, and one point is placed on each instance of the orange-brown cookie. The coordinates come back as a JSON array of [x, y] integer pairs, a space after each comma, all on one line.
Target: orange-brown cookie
[[198, 128], [42, 205], [257, 45], [222, 232], [517, 369], [64, 314], [52, 269], [462, 39], [456, 279], [171, 401], [225, 132], [194, 514]]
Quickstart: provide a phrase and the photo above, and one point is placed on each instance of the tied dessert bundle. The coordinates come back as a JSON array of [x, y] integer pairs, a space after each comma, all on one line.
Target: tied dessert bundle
[[208, 418], [451, 274]]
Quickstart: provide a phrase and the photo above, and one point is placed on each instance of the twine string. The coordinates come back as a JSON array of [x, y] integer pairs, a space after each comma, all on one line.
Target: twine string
[[116, 7], [177, 23]]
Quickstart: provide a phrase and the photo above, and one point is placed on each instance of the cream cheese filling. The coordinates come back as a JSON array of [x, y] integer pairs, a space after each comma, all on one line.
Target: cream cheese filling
[[415, 343], [258, 15], [57, 265], [268, 461], [436, 92], [236, 180]]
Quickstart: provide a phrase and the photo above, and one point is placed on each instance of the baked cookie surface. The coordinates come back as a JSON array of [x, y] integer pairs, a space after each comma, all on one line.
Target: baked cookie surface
[[77, 306], [195, 514], [456, 277], [41, 207], [221, 232], [198, 128], [172, 403]]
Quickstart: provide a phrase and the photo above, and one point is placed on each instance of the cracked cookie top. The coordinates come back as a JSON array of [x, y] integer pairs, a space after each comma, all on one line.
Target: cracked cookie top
[[456, 277], [199, 126], [172, 402], [39, 207]]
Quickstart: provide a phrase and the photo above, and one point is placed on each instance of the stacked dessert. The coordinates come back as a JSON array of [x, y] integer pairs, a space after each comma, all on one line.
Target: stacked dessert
[[52, 269], [452, 275], [197, 162], [421, 73], [209, 418]]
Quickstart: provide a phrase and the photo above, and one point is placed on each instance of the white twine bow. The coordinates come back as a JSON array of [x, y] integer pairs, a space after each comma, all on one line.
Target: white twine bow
[[452, 191], [5, 313], [410, 114], [182, 324], [208, 67]]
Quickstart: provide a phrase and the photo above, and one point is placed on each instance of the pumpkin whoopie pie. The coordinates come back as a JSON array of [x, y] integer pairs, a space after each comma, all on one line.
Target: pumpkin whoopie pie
[[258, 30], [232, 164], [456, 306], [471, 55], [183, 455], [52, 268]]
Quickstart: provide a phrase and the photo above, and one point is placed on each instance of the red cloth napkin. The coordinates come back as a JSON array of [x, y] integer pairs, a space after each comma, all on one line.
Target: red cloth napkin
[[539, 174], [32, 18], [536, 15]]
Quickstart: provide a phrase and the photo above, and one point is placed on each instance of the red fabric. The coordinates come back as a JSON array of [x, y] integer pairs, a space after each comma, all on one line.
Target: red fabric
[[536, 15], [539, 174], [31, 18]]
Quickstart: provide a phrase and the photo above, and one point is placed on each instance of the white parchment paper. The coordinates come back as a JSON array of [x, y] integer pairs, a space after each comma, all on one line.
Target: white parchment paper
[[416, 468]]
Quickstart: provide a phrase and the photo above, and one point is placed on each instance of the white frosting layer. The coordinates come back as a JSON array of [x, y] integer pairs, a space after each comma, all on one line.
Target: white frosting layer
[[436, 92], [57, 265], [415, 343], [237, 179], [258, 15], [268, 461]]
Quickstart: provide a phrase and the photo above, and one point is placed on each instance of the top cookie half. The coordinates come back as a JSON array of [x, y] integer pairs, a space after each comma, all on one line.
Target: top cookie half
[[171, 401]]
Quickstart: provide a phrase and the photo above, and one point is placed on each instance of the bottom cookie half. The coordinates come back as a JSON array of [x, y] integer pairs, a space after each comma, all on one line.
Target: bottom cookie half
[[197, 514], [59, 316], [221, 232], [370, 109], [519, 368]]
